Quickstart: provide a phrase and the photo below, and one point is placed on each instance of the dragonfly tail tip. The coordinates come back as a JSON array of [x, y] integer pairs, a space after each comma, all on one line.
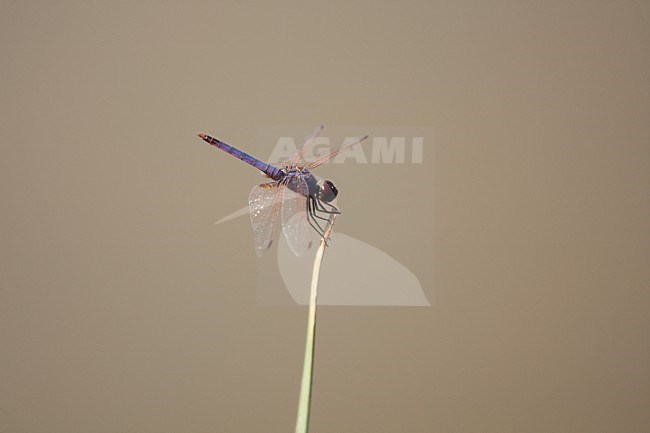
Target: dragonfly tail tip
[[202, 135]]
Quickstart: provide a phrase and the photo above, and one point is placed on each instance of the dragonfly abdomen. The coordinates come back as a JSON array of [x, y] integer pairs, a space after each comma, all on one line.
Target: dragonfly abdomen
[[271, 171]]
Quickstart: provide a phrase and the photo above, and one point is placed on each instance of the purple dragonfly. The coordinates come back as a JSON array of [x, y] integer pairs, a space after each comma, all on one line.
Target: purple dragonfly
[[295, 196]]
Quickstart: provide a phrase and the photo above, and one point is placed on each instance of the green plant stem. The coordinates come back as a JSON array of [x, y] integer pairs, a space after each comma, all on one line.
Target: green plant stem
[[304, 402]]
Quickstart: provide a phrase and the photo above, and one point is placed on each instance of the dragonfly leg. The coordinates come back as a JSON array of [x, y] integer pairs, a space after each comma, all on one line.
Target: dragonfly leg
[[331, 210], [316, 227], [314, 214], [315, 210], [312, 220]]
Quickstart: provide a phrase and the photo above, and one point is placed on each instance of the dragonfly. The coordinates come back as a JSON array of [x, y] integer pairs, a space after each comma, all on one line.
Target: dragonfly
[[295, 198]]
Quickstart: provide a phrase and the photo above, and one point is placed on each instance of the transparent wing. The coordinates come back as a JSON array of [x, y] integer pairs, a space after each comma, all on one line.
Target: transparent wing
[[324, 158], [264, 204], [295, 225], [297, 157]]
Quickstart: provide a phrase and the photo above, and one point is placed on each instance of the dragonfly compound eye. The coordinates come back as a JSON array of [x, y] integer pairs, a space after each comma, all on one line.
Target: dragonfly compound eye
[[328, 191]]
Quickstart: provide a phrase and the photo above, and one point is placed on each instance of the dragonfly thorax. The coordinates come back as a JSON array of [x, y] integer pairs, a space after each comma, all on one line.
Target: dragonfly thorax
[[321, 190]]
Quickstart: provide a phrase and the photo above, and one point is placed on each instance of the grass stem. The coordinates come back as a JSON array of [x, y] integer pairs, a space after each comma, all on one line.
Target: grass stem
[[304, 402]]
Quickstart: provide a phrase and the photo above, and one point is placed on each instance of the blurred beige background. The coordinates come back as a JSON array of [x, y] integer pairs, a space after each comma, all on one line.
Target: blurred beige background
[[123, 308]]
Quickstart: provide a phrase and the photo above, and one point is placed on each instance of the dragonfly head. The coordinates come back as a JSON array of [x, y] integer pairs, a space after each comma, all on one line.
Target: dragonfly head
[[327, 191]]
